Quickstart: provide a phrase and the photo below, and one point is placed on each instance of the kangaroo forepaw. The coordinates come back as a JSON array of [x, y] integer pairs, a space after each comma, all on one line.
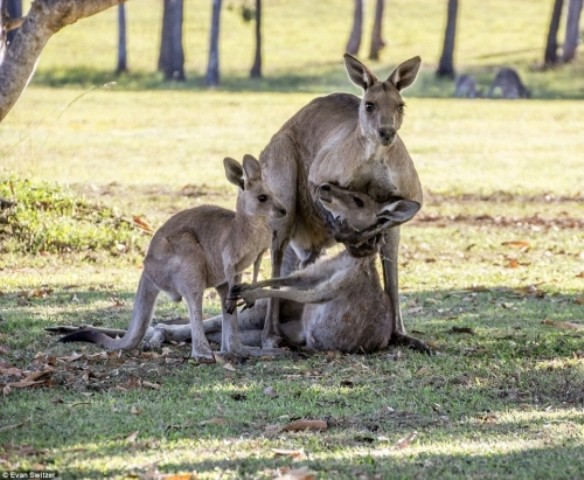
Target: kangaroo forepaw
[[399, 338]]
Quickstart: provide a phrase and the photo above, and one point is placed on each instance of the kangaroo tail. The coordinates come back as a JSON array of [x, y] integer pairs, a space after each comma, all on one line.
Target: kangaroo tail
[[141, 318]]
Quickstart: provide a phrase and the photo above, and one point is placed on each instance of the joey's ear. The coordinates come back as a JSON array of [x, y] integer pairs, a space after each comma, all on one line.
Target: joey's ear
[[359, 74], [233, 171], [396, 213], [251, 168], [405, 73]]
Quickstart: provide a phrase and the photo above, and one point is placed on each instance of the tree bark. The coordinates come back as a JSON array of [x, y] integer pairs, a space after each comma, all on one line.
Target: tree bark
[[213, 78], [446, 64], [572, 30], [44, 19], [122, 66], [354, 42], [256, 69], [551, 46], [172, 59], [377, 40]]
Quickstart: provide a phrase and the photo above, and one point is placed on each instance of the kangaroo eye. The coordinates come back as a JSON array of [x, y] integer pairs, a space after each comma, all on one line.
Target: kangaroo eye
[[358, 202], [262, 198], [400, 108], [369, 107]]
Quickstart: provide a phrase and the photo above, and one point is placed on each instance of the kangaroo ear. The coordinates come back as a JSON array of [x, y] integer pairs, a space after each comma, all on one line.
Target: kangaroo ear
[[359, 74], [405, 73], [251, 168], [233, 171], [396, 213]]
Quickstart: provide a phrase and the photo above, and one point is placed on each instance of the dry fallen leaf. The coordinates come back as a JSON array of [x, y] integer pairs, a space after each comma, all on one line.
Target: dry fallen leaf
[[229, 367], [70, 358], [295, 454], [512, 263], [305, 424], [406, 441], [301, 473], [153, 386], [11, 372], [142, 224], [517, 244], [564, 325], [132, 437]]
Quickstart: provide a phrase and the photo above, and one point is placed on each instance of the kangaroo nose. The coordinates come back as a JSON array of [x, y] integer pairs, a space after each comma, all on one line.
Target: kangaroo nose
[[386, 135]]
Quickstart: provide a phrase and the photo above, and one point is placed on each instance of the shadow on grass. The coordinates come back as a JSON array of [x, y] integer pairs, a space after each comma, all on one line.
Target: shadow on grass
[[311, 78]]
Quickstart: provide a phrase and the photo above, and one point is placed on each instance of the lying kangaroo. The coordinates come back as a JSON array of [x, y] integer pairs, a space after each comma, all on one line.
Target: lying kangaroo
[[206, 246], [466, 87], [350, 142], [346, 308], [509, 83]]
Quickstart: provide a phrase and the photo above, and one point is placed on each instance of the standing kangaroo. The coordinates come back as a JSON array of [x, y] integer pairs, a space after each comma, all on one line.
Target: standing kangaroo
[[206, 246], [350, 142], [346, 307]]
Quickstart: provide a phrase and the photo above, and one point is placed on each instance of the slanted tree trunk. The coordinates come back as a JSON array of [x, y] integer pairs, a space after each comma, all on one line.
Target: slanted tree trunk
[[354, 42], [550, 56], [122, 66], [446, 64], [14, 10], [213, 78], [377, 41], [172, 59], [256, 69], [44, 19], [572, 30]]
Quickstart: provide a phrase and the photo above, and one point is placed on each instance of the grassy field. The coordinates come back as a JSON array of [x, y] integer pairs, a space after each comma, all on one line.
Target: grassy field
[[492, 269]]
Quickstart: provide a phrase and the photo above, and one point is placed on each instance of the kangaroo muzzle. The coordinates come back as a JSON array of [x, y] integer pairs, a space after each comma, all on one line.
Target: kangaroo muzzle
[[386, 135]]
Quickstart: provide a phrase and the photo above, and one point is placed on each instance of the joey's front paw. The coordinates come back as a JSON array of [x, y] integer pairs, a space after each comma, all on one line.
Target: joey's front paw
[[231, 305]]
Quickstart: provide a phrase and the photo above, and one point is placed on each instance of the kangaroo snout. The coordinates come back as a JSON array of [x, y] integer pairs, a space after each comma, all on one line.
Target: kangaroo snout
[[386, 135]]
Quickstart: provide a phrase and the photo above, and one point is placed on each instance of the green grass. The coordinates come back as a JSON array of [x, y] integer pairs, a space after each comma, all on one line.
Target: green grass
[[496, 252]]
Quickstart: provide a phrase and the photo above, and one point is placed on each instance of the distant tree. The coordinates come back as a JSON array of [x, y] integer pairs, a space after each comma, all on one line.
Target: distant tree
[[551, 46], [354, 42], [256, 69], [44, 19], [213, 78], [572, 30], [377, 41], [172, 59], [13, 10], [446, 64], [122, 66]]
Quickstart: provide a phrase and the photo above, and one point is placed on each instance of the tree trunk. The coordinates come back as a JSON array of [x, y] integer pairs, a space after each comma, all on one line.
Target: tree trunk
[[45, 18], [377, 41], [122, 66], [354, 42], [256, 69], [213, 78], [3, 30], [551, 46], [172, 59], [446, 64], [14, 10], [572, 30]]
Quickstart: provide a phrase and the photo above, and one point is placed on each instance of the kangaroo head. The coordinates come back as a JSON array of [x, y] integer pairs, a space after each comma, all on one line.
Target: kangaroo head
[[382, 108], [359, 219], [255, 198]]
